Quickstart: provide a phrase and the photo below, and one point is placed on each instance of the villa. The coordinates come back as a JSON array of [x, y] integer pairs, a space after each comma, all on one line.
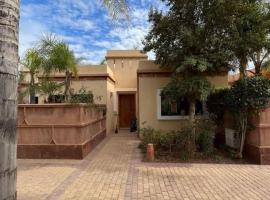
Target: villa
[[129, 85]]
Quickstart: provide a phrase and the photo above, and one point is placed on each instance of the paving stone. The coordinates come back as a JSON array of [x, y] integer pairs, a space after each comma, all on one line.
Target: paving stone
[[114, 171]]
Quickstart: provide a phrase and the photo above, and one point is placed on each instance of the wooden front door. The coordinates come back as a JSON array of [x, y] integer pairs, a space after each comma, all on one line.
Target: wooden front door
[[127, 109]]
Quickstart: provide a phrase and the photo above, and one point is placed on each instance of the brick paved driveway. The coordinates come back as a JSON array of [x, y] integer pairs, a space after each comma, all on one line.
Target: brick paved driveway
[[114, 171]]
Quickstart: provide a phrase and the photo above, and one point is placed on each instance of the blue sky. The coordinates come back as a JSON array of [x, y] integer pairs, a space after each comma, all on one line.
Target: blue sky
[[85, 25]]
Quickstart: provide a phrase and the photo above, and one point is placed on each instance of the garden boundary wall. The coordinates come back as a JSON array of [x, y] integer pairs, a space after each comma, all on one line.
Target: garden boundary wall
[[59, 131]]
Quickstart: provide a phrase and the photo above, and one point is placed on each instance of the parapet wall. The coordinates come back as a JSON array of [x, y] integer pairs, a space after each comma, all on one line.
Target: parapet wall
[[59, 130]]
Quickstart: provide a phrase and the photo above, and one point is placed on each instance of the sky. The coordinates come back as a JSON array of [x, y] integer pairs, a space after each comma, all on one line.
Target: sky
[[85, 25]]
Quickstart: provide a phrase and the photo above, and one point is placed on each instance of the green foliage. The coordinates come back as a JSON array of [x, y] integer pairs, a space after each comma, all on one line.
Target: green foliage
[[205, 132], [248, 24], [249, 94], [185, 142], [149, 136], [33, 62], [57, 56], [180, 142], [49, 88], [83, 96], [216, 104], [189, 37], [195, 87], [189, 41]]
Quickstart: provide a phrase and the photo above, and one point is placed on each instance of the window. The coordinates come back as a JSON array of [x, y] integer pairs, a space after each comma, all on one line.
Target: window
[[171, 109]]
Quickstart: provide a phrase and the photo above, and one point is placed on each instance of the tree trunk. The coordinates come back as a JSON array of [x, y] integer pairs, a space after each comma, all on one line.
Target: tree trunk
[[258, 64], [258, 69], [32, 90], [243, 130], [192, 113], [9, 25], [243, 66], [67, 85]]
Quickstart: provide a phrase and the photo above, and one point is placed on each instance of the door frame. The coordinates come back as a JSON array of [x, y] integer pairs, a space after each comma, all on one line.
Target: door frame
[[119, 93]]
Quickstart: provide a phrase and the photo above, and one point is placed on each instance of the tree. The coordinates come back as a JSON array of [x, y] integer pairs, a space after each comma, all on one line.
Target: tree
[[9, 26], [189, 40], [247, 96], [32, 61], [49, 88], [247, 24], [57, 57], [9, 23]]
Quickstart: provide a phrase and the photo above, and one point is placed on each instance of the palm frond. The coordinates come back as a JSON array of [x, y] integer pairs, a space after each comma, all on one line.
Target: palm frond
[[57, 56], [32, 60], [117, 8]]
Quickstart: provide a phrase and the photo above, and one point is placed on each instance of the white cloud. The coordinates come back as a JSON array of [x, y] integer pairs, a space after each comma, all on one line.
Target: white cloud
[[30, 32], [85, 26]]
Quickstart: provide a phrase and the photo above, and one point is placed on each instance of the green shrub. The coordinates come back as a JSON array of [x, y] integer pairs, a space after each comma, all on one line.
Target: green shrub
[[182, 143], [247, 96], [205, 132], [168, 140], [149, 135], [216, 104], [186, 142], [83, 96]]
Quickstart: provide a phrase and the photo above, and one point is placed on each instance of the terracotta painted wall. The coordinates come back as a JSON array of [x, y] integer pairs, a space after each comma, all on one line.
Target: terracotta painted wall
[[148, 87], [59, 130], [258, 140]]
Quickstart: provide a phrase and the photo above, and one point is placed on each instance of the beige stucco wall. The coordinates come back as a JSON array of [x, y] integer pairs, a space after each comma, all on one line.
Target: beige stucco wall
[[124, 65], [148, 88], [98, 87], [110, 107], [125, 71]]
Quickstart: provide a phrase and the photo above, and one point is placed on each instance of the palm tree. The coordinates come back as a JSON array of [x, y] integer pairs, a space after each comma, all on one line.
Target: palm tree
[[32, 61], [49, 88], [59, 58], [9, 29], [9, 26]]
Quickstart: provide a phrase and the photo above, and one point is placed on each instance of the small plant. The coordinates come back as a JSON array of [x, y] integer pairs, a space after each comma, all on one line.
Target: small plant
[[83, 96], [185, 142], [168, 140], [205, 136], [149, 135], [49, 88]]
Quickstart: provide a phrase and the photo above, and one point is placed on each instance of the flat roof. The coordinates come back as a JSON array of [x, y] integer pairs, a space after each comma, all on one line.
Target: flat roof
[[125, 54], [149, 66]]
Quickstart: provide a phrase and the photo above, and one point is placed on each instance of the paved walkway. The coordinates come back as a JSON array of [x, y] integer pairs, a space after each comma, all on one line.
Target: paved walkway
[[114, 171]]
